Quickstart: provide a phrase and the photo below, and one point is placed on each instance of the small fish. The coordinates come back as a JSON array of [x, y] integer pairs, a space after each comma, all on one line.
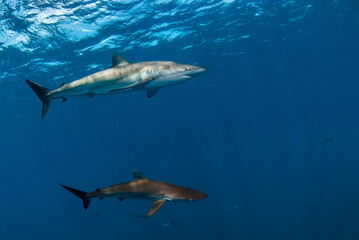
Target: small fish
[[95, 214], [238, 207], [168, 224], [327, 140]]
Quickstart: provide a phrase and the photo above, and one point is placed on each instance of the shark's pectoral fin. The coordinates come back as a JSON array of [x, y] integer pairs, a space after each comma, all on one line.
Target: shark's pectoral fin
[[64, 99], [174, 77], [101, 198], [123, 88], [151, 92], [121, 199], [136, 85], [156, 206]]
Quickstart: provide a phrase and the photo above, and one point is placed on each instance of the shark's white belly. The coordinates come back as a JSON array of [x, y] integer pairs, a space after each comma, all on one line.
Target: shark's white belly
[[94, 88], [166, 81]]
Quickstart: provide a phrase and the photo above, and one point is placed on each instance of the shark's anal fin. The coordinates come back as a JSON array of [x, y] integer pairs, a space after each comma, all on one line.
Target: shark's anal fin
[[156, 206], [151, 92], [121, 199]]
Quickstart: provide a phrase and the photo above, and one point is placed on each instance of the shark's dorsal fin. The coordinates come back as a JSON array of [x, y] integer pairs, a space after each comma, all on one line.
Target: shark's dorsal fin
[[118, 60], [138, 175]]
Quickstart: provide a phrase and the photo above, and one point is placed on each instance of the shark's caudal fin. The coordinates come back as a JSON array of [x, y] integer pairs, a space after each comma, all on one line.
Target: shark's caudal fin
[[80, 194], [41, 92]]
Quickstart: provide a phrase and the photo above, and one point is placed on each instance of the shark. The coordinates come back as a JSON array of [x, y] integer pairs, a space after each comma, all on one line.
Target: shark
[[141, 188], [121, 77]]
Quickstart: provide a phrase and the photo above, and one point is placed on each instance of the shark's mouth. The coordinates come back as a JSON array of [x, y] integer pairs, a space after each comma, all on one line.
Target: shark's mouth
[[173, 77], [193, 70]]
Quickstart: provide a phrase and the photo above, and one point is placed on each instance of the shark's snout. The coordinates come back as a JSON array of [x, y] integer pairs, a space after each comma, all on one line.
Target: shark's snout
[[197, 196], [191, 70], [201, 69], [202, 196]]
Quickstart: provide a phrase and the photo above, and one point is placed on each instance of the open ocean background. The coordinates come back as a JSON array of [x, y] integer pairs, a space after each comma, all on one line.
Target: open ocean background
[[281, 77]]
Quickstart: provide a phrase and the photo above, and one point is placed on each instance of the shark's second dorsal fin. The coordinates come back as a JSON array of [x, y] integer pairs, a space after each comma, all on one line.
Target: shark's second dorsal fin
[[118, 60], [138, 175]]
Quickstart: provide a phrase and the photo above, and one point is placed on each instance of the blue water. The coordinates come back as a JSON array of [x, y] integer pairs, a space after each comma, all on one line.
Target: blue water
[[282, 76]]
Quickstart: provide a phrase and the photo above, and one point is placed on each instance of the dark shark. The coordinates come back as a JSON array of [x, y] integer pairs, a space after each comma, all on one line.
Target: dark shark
[[142, 188]]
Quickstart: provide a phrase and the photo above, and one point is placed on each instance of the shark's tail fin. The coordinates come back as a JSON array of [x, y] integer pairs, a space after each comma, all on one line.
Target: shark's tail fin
[[41, 92], [80, 194]]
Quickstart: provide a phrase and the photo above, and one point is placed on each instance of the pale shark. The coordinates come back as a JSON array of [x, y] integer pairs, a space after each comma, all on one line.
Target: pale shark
[[142, 188], [122, 76]]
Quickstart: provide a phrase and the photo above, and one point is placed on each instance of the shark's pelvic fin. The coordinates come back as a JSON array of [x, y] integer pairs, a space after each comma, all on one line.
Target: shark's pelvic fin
[[138, 175], [151, 92], [118, 60], [42, 93], [156, 206], [80, 194]]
